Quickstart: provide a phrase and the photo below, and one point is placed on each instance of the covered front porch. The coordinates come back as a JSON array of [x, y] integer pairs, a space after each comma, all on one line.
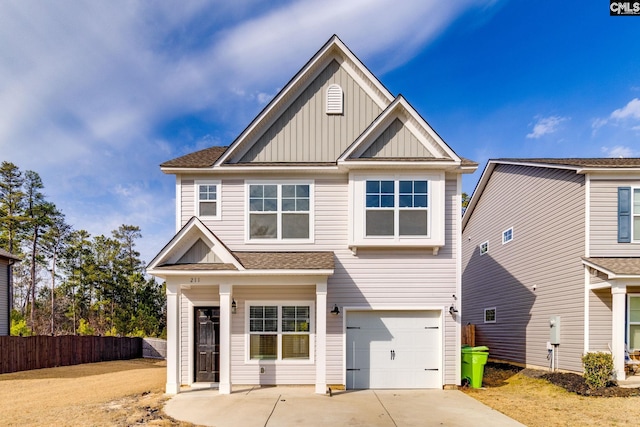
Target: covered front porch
[[612, 302]]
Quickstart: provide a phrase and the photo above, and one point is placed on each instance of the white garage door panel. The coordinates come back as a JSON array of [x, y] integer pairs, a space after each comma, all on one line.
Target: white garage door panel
[[393, 349]]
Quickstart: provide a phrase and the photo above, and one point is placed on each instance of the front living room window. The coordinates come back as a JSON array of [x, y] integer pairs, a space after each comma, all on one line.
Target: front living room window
[[280, 332], [280, 211], [397, 208], [633, 315]]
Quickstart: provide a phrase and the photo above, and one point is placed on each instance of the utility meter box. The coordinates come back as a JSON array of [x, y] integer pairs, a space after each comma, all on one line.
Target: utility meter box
[[554, 327]]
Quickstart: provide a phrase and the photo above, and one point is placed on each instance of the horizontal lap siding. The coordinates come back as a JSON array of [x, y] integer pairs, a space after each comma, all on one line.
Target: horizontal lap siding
[[243, 372], [600, 304], [187, 200], [4, 297], [545, 207], [604, 219]]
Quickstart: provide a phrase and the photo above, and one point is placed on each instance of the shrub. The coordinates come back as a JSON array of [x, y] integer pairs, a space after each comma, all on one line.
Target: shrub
[[598, 368]]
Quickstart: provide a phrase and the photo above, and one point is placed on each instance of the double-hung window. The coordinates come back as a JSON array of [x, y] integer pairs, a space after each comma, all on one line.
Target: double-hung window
[[636, 214], [633, 324], [208, 199], [280, 331], [397, 208], [279, 211]]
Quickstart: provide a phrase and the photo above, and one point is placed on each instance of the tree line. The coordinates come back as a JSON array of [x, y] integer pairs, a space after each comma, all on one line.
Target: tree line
[[69, 282]]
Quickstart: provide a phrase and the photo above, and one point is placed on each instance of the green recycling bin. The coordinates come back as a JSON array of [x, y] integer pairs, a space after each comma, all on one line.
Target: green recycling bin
[[473, 361]]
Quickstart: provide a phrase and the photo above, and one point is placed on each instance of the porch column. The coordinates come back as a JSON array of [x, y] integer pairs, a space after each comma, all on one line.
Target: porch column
[[173, 360], [224, 386], [618, 296], [321, 338]]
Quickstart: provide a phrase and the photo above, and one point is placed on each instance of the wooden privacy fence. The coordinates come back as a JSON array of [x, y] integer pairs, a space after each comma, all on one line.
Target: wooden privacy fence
[[26, 353], [469, 335]]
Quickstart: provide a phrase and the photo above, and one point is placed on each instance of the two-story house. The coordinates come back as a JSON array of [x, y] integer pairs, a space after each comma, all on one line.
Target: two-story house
[[554, 239], [6, 260], [321, 247]]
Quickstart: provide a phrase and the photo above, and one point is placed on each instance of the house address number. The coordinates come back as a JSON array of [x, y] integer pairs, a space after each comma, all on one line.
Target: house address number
[[194, 280]]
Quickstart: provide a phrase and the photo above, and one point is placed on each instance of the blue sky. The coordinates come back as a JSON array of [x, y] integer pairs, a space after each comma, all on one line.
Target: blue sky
[[95, 95]]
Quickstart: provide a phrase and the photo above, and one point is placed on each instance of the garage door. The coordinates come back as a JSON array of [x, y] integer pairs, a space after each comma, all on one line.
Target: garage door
[[393, 349]]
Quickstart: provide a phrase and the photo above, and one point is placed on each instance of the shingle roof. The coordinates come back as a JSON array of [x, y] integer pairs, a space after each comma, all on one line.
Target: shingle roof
[[594, 162], [266, 261], [9, 255], [619, 266], [199, 159], [286, 260]]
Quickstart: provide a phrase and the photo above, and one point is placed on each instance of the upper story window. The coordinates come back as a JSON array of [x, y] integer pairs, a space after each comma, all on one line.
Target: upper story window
[[507, 235], [280, 211], [334, 100], [397, 209], [484, 248], [208, 199], [636, 214], [490, 315]]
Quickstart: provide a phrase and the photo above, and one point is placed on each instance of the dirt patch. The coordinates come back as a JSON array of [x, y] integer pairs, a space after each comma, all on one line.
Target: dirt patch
[[121, 393]]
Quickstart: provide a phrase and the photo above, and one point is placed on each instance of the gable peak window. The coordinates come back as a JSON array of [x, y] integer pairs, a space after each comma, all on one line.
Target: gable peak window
[[207, 199], [334, 99], [279, 211]]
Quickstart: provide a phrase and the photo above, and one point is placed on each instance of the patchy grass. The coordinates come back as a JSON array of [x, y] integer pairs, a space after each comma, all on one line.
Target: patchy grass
[[119, 393], [526, 396]]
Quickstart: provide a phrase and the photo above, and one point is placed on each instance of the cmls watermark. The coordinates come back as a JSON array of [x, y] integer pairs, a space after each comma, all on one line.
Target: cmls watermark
[[624, 8]]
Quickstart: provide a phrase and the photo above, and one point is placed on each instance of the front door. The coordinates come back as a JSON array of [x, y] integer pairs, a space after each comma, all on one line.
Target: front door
[[207, 347]]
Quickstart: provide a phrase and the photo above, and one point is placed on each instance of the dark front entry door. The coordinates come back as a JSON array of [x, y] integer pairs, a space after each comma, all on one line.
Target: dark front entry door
[[207, 344]]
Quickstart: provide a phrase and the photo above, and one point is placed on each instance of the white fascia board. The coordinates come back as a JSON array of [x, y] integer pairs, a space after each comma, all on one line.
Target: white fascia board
[[604, 170], [394, 164], [333, 49], [243, 273]]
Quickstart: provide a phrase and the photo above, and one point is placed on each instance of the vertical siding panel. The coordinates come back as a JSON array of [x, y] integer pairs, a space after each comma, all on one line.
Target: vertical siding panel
[[545, 207]]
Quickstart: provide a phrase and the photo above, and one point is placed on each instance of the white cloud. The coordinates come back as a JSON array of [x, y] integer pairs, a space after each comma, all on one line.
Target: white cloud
[[629, 111], [619, 151], [86, 87], [545, 126]]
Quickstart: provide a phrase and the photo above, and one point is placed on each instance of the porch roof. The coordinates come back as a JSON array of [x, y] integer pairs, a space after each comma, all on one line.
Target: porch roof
[[616, 268], [265, 261]]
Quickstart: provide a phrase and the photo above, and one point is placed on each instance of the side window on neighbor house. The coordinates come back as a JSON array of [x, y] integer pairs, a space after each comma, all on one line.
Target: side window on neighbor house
[[397, 208], [490, 315], [279, 211], [484, 248], [207, 199], [628, 214], [507, 235]]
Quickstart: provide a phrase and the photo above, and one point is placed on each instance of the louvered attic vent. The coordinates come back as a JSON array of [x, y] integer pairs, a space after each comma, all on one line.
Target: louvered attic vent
[[334, 99]]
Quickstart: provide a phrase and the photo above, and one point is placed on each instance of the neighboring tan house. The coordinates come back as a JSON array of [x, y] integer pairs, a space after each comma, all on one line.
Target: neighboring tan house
[[6, 261], [321, 247], [554, 238]]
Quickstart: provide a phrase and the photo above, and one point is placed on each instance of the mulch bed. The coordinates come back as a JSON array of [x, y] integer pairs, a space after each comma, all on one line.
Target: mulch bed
[[496, 374]]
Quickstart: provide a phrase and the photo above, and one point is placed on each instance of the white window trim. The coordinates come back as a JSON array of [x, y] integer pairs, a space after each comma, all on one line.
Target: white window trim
[[495, 315], [483, 244], [633, 215], [279, 360], [436, 210], [504, 242], [279, 239], [196, 197], [628, 322]]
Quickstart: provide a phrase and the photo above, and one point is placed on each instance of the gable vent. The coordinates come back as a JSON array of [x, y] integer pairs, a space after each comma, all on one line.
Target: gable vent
[[334, 99]]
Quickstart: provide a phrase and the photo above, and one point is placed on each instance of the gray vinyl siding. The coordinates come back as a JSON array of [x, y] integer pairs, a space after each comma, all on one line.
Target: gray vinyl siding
[[397, 141], [600, 305], [546, 209], [4, 297], [604, 219], [288, 139], [374, 278]]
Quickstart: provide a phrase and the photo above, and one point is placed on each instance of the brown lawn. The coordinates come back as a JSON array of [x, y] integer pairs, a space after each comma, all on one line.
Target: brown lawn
[[119, 393], [536, 402]]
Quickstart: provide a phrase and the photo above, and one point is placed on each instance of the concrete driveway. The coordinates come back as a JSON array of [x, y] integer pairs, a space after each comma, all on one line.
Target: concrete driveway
[[294, 406]]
